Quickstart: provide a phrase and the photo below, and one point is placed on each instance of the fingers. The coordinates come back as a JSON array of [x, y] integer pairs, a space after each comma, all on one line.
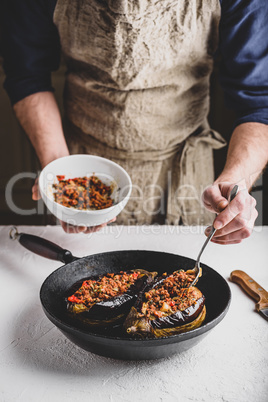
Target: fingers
[[68, 228], [236, 221], [226, 242], [241, 209], [232, 233], [215, 198], [35, 191]]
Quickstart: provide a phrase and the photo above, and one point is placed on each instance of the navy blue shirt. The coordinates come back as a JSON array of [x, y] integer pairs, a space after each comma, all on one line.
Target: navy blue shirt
[[31, 50]]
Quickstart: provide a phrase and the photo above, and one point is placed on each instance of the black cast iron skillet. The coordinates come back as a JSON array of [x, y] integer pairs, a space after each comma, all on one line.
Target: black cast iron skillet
[[114, 343]]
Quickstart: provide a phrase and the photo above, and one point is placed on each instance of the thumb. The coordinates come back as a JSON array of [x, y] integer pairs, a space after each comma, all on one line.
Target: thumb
[[222, 204], [35, 191], [213, 199]]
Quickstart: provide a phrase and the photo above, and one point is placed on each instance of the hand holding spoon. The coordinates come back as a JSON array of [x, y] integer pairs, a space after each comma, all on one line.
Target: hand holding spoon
[[197, 269]]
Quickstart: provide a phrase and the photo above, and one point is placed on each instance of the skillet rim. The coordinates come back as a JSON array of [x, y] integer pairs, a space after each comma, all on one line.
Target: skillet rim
[[184, 336]]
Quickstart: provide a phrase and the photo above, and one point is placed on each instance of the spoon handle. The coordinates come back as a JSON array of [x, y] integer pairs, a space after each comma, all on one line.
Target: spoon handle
[[233, 193], [213, 230]]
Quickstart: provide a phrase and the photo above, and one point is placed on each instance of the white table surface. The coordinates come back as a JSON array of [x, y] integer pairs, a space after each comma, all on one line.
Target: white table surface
[[37, 362]]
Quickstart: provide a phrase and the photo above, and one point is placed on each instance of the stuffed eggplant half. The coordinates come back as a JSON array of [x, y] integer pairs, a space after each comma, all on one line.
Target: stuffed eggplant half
[[170, 306], [107, 299]]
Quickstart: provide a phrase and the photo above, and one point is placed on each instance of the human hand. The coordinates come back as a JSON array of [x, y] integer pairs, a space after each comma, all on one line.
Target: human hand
[[35, 191], [68, 228], [234, 221]]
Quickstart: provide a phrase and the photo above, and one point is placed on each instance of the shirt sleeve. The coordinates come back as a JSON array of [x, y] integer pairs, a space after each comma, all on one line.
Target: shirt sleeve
[[30, 46], [244, 67]]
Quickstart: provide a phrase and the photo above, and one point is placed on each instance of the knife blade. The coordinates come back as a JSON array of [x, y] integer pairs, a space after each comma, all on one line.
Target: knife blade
[[253, 289]]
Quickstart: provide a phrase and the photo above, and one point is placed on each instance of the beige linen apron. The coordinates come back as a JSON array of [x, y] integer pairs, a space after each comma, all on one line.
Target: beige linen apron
[[137, 92]]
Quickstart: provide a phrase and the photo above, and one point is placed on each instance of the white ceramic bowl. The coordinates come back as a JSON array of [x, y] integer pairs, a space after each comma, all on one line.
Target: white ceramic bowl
[[80, 166]]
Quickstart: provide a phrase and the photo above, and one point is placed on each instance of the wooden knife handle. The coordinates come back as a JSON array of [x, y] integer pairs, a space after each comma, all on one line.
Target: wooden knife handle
[[251, 287]]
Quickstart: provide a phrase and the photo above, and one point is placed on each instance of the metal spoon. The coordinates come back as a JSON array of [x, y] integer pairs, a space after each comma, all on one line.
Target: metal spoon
[[197, 269]]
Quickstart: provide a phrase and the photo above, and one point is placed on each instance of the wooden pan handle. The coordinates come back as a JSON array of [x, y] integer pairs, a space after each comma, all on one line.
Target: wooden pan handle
[[251, 287]]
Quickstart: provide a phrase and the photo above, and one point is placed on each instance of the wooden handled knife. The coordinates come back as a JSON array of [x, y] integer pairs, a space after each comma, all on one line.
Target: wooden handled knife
[[253, 289]]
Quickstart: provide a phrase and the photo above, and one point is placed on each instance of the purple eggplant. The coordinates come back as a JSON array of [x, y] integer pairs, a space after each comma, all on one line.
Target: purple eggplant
[[106, 307], [166, 308]]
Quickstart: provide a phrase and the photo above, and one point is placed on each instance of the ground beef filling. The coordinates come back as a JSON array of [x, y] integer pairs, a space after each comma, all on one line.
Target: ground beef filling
[[82, 193], [172, 295], [110, 285]]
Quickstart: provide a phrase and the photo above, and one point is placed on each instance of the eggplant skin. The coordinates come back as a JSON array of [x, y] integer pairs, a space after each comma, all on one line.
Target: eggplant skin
[[180, 317], [158, 333], [113, 310], [138, 325]]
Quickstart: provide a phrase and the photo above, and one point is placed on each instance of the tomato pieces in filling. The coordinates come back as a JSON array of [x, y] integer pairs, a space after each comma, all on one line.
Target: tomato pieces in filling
[[110, 285], [171, 295], [83, 193]]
